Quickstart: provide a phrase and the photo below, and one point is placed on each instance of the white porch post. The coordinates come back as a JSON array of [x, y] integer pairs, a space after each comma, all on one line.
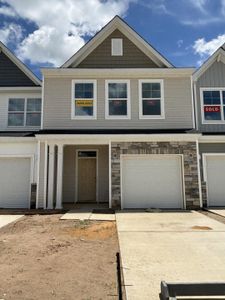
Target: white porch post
[[51, 175], [59, 177]]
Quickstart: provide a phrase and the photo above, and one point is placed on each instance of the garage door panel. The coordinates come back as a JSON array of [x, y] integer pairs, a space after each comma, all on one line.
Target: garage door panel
[[14, 182], [215, 173], [152, 181]]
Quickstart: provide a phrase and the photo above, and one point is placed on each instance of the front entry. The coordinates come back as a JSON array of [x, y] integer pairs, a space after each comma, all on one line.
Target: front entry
[[86, 176]]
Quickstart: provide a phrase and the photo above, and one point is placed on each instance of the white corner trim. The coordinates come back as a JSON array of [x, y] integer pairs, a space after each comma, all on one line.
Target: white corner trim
[[199, 175], [42, 103], [162, 104], [94, 117], [107, 116]]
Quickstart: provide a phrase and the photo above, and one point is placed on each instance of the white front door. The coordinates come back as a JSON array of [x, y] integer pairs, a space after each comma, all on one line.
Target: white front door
[[152, 181], [86, 181]]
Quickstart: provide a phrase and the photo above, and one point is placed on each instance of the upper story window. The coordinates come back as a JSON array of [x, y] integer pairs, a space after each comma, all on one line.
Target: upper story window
[[151, 99], [116, 47], [84, 99], [213, 105], [117, 99], [24, 112]]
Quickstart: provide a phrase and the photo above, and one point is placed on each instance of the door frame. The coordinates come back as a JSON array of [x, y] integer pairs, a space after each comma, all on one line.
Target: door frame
[[76, 171], [141, 156], [31, 158], [204, 167]]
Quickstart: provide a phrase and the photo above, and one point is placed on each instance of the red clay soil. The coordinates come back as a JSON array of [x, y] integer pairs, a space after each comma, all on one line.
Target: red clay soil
[[42, 257]]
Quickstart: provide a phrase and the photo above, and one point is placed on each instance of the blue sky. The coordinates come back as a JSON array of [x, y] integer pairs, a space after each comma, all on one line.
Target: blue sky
[[47, 33]]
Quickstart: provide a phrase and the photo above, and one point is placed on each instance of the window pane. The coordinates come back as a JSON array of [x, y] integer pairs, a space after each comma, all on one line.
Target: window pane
[[84, 91], [34, 104], [223, 97], [117, 107], [33, 119], [151, 107], [86, 153], [211, 97], [82, 109], [117, 90], [151, 90], [15, 119], [212, 115], [16, 104]]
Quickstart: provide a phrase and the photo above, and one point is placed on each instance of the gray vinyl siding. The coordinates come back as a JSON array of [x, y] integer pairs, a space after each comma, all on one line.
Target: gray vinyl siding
[[69, 172], [213, 77], [41, 176], [132, 56], [177, 98], [11, 75], [4, 100]]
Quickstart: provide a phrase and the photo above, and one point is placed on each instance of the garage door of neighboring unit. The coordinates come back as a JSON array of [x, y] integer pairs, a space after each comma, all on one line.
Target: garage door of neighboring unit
[[215, 176], [152, 181], [14, 182]]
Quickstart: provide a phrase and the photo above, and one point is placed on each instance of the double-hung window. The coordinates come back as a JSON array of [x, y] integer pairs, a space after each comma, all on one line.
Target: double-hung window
[[84, 99], [151, 99], [117, 99], [24, 112], [213, 105]]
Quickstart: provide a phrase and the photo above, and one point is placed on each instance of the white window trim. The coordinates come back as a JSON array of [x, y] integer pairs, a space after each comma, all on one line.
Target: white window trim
[[94, 117], [25, 112], [107, 116], [148, 117], [220, 89]]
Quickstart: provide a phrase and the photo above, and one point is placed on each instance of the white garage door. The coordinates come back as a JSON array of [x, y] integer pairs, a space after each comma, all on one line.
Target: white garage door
[[14, 182], [152, 181], [215, 177]]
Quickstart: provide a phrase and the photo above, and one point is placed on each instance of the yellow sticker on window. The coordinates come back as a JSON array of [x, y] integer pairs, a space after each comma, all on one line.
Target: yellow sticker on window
[[84, 103]]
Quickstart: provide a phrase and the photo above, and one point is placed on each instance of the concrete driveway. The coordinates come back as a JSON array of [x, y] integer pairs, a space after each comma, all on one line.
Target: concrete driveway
[[170, 246], [7, 219]]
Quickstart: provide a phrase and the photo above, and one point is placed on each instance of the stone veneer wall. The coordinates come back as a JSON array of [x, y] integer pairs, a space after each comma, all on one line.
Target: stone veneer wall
[[188, 149]]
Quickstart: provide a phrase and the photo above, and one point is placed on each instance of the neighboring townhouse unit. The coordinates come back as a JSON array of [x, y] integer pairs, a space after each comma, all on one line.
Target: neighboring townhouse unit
[[117, 127], [20, 116], [209, 91]]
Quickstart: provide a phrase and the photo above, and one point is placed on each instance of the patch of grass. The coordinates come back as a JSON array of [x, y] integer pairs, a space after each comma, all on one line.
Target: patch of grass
[[82, 224]]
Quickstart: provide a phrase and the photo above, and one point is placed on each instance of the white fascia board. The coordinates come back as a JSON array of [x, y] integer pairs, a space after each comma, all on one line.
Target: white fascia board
[[220, 52], [116, 23], [212, 138], [116, 73], [19, 64], [21, 89], [105, 139], [17, 139]]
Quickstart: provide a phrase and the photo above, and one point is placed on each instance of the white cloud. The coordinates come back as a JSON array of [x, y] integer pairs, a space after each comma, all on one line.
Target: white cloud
[[62, 25], [7, 11], [199, 4], [204, 49], [11, 33]]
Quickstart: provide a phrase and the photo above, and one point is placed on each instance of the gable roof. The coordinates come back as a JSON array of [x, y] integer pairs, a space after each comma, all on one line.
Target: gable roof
[[117, 23], [20, 65], [218, 55]]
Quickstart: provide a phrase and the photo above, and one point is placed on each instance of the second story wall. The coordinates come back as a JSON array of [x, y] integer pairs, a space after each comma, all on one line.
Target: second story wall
[[58, 102], [211, 81]]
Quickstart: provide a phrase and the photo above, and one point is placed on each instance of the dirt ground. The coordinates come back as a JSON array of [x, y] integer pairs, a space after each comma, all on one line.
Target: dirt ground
[[42, 257]]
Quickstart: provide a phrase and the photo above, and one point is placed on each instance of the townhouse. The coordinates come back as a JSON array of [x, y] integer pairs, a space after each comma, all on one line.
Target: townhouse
[[117, 123]]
